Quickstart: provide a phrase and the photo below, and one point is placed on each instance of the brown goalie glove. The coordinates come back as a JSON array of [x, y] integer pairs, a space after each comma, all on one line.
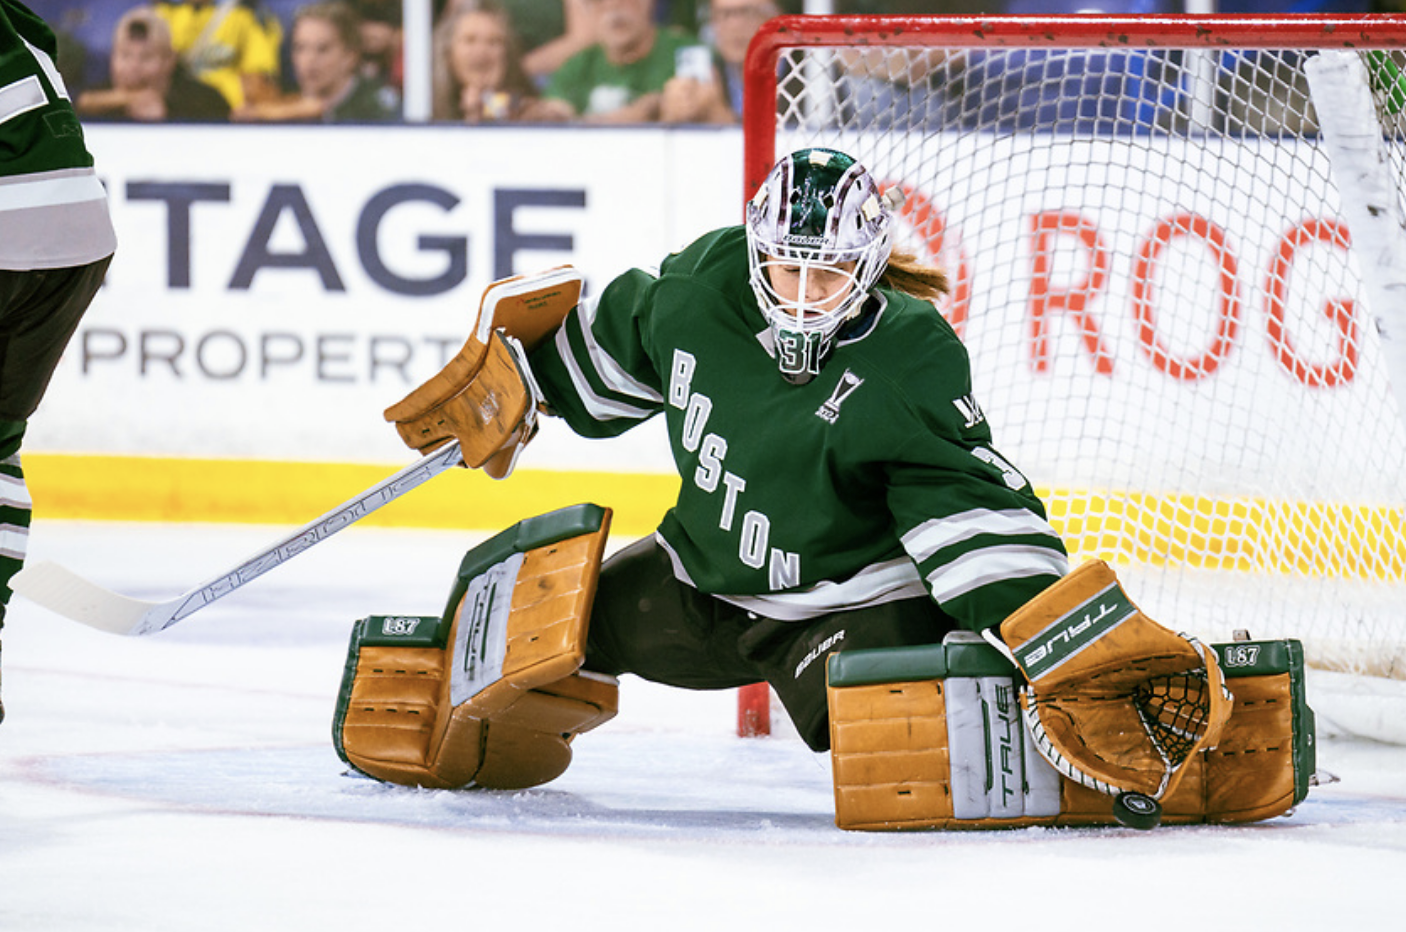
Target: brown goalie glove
[[1114, 701], [933, 737], [486, 397]]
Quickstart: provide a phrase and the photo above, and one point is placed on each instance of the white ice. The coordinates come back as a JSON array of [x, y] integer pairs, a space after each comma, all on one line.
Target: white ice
[[187, 781]]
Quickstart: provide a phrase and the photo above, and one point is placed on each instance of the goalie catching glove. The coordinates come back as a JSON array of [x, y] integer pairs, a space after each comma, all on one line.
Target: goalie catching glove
[[933, 737], [486, 397], [1114, 701]]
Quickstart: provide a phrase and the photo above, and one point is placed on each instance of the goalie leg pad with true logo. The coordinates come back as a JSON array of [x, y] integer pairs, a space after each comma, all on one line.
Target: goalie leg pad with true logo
[[933, 738], [491, 692]]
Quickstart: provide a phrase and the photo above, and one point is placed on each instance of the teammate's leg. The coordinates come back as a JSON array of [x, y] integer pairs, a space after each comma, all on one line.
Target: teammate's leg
[[39, 311], [14, 514]]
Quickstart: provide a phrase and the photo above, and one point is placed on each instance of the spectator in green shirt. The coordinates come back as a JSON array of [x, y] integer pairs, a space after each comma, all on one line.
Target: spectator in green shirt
[[621, 78]]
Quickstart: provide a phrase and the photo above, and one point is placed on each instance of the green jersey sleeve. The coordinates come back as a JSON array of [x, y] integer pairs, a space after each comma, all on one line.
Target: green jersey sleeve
[[597, 374], [965, 515]]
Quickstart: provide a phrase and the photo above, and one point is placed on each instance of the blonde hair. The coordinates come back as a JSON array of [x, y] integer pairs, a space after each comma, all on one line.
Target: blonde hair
[[143, 24], [444, 104]]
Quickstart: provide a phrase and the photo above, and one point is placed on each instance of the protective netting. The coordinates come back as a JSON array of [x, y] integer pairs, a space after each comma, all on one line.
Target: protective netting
[[1167, 330]]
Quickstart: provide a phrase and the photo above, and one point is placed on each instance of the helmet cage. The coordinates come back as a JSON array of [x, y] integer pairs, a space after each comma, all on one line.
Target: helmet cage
[[817, 211], [806, 310]]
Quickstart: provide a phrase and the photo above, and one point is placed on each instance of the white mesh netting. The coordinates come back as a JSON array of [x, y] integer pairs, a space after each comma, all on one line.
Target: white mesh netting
[[1167, 330]]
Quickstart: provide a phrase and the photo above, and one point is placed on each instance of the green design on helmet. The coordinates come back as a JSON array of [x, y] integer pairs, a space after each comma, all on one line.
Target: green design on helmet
[[818, 217]]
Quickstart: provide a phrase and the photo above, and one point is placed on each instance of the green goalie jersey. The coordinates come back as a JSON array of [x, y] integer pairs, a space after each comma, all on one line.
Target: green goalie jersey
[[876, 480], [53, 209]]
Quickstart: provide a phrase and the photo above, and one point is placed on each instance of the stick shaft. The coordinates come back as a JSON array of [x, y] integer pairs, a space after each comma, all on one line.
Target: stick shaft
[[315, 532], [75, 598]]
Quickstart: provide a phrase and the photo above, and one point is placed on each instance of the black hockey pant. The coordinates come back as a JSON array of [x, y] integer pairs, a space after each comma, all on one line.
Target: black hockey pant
[[644, 621], [39, 311]]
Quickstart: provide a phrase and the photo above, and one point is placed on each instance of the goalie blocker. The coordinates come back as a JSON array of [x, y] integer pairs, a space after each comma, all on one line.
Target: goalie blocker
[[491, 693], [485, 397], [933, 737]]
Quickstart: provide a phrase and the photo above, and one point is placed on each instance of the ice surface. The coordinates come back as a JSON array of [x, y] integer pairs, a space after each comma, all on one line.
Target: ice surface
[[187, 781]]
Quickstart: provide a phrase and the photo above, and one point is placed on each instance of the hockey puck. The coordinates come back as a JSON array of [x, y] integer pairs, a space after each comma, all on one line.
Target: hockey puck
[[1137, 811]]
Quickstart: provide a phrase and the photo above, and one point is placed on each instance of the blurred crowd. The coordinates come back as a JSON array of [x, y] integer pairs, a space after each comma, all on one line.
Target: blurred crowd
[[588, 61]]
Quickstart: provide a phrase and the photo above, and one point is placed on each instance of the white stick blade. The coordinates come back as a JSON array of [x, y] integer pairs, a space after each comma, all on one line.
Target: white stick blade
[[70, 595]]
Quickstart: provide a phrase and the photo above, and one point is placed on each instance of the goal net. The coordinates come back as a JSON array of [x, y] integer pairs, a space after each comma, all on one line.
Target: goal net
[[1178, 327]]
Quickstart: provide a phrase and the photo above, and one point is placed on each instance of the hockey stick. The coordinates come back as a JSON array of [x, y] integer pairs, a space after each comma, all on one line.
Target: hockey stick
[[74, 597]]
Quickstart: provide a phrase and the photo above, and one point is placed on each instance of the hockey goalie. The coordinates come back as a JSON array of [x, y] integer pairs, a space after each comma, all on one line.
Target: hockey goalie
[[846, 531]]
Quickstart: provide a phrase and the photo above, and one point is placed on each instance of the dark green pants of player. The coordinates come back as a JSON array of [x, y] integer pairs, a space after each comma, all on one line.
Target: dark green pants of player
[[644, 621], [39, 311]]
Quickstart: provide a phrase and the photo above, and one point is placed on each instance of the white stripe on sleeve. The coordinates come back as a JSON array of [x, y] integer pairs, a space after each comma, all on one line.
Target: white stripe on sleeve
[[602, 409], [931, 536], [989, 565], [611, 372]]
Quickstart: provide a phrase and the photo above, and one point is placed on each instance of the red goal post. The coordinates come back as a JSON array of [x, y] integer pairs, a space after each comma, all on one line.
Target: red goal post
[[1088, 31], [1151, 249]]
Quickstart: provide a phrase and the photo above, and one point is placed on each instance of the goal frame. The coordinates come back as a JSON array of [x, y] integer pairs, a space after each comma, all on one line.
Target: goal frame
[[1211, 32], [1123, 33]]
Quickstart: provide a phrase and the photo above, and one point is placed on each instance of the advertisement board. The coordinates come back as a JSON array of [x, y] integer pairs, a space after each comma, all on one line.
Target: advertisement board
[[276, 288]]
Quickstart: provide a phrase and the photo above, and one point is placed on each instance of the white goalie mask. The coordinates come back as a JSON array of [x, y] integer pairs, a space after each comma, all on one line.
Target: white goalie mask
[[818, 236]]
